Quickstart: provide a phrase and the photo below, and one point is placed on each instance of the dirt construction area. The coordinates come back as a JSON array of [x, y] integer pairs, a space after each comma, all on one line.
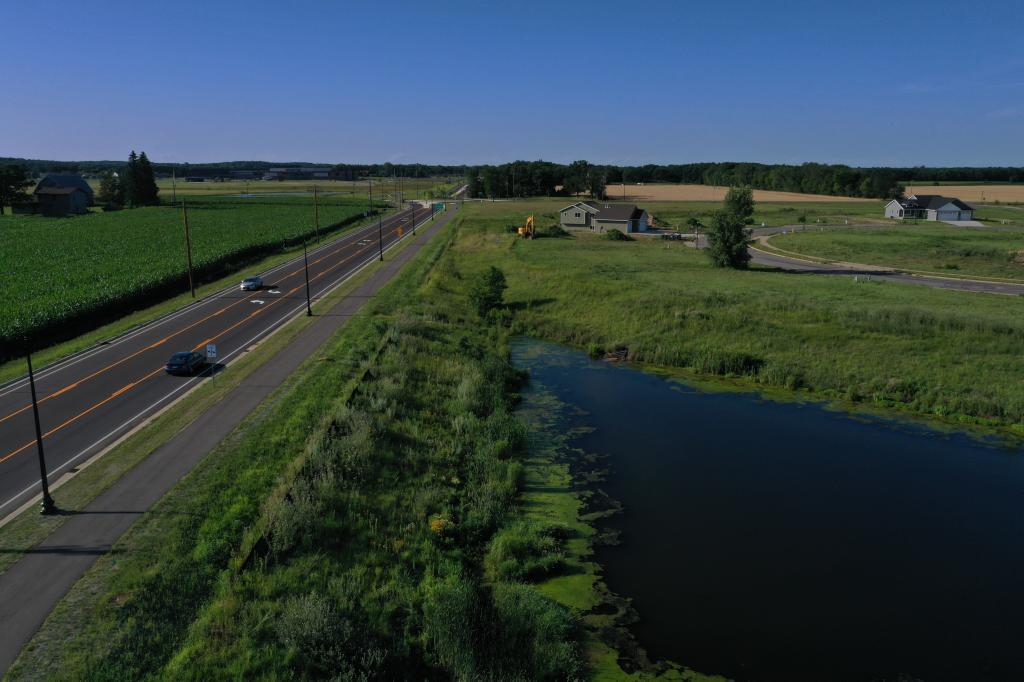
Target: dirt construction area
[[1005, 194], [670, 192]]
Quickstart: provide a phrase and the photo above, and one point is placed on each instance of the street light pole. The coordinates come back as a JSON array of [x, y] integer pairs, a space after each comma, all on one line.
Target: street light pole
[[48, 507]]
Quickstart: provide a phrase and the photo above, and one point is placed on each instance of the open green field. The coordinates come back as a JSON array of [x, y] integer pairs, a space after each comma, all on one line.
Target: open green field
[[79, 272], [942, 353], [933, 248]]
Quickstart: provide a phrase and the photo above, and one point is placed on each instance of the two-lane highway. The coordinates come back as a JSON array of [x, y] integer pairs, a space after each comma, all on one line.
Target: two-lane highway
[[89, 400]]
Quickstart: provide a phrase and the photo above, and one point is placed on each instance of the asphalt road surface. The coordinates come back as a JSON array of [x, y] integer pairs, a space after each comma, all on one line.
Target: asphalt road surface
[[90, 399]]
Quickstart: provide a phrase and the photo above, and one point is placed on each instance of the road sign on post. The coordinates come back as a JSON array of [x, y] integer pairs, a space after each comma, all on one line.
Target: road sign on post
[[211, 351]]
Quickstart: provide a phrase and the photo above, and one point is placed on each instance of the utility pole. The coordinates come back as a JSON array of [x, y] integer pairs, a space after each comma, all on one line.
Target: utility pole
[[188, 247], [316, 215], [380, 236], [305, 263], [174, 187], [48, 507]]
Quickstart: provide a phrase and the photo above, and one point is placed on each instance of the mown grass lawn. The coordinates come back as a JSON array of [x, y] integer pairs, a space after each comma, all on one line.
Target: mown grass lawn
[[935, 248]]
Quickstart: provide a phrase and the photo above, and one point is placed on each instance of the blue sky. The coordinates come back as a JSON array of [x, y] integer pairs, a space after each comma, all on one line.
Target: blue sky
[[863, 83]]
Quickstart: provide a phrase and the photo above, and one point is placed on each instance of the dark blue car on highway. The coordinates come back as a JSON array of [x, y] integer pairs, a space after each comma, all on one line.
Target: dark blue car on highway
[[185, 363]]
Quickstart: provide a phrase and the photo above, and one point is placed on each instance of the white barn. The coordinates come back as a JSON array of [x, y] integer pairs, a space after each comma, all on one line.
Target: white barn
[[929, 207]]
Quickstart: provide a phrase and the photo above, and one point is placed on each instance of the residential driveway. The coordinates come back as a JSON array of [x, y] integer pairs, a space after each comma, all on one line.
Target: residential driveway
[[964, 223]]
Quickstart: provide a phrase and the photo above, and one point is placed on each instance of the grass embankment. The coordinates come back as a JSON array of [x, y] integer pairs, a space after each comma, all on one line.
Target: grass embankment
[[937, 353], [363, 523], [960, 251], [72, 274]]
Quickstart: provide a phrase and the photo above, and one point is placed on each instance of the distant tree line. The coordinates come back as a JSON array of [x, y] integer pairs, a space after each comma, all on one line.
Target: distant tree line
[[544, 178]]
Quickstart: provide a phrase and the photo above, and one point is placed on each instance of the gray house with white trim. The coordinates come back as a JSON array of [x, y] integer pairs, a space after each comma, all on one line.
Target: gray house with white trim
[[929, 207], [602, 216]]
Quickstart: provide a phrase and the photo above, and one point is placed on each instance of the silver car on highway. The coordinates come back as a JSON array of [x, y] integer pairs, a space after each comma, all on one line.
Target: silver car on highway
[[251, 284]]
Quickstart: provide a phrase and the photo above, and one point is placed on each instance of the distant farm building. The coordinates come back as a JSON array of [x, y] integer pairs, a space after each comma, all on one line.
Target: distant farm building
[[61, 194], [602, 216], [929, 207]]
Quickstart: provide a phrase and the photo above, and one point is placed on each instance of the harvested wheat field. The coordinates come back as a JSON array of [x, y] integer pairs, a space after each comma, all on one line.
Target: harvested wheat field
[[671, 192], [1006, 194]]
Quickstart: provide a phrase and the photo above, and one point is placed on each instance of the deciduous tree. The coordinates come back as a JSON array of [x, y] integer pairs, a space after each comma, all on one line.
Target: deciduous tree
[[488, 291], [728, 240], [14, 179], [740, 202], [110, 193]]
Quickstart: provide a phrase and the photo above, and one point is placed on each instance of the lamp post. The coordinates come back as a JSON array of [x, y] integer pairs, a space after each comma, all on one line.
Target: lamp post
[[48, 507]]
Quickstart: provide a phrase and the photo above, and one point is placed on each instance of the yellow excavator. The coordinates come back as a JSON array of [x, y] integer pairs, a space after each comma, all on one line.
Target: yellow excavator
[[528, 231]]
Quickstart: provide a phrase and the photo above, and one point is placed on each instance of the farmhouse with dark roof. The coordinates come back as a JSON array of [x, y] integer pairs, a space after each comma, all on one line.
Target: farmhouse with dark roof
[[929, 207], [601, 216]]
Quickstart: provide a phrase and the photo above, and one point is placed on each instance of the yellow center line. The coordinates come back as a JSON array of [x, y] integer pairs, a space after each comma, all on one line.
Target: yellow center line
[[120, 391]]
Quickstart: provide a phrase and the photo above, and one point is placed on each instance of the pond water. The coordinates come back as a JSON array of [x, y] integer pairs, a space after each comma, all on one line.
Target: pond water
[[784, 541]]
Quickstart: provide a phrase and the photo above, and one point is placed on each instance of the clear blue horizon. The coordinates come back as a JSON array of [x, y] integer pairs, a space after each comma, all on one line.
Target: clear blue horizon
[[866, 84]]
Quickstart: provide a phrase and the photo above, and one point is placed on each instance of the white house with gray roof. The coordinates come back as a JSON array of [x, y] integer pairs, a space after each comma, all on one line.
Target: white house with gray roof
[[601, 216], [929, 207]]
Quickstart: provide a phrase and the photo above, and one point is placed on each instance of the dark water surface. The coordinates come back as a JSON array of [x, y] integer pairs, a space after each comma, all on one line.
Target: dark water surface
[[784, 541]]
